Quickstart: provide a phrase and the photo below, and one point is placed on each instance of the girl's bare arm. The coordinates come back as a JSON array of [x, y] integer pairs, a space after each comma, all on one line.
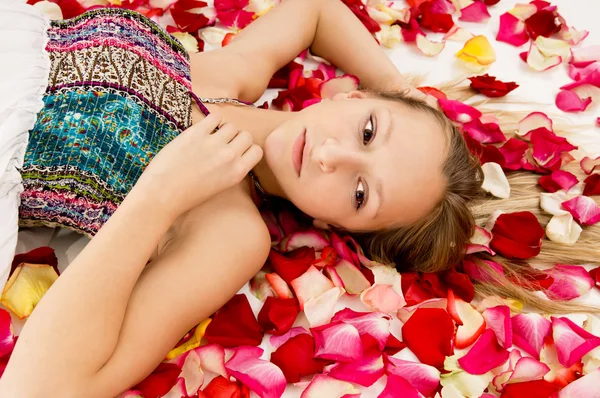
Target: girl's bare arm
[[328, 27]]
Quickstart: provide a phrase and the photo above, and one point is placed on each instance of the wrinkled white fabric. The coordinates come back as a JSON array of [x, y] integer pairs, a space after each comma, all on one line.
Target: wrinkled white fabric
[[24, 69]]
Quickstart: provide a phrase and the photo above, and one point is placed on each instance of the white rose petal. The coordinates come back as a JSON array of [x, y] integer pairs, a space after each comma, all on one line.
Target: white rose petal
[[563, 229], [551, 202], [495, 181], [50, 10]]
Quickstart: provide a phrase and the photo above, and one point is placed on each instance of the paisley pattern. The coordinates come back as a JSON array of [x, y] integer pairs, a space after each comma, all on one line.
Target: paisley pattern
[[119, 90]]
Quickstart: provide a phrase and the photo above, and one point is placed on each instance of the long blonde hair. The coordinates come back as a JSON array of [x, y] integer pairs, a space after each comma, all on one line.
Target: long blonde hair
[[437, 241]]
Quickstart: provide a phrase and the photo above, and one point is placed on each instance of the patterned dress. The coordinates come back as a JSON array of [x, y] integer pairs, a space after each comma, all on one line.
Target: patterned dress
[[119, 90]]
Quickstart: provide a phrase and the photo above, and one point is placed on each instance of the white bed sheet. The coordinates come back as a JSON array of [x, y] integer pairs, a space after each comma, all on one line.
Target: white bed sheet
[[535, 87]]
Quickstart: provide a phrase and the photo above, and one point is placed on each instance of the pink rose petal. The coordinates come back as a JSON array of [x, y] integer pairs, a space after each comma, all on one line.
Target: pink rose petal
[[512, 30], [366, 371], [586, 387], [498, 319], [572, 342], [580, 73], [569, 101], [488, 133], [588, 165], [310, 238], [382, 298], [513, 151], [310, 285], [529, 332], [528, 369], [584, 209], [325, 386], [7, 339], [424, 378], [585, 54], [398, 386], [559, 179], [485, 355], [338, 342], [570, 281], [374, 324], [458, 111], [534, 121], [192, 375], [277, 341], [478, 273], [480, 241], [262, 377], [476, 12]]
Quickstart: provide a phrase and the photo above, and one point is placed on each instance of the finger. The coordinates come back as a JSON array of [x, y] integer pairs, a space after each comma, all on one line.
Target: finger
[[241, 142], [209, 123], [227, 132], [251, 157]]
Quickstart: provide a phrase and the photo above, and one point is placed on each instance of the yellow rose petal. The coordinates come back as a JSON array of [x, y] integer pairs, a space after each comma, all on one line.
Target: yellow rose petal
[[26, 287], [188, 41], [193, 342], [477, 50]]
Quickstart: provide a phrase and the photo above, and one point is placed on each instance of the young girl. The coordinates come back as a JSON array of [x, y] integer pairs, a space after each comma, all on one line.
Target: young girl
[[173, 241]]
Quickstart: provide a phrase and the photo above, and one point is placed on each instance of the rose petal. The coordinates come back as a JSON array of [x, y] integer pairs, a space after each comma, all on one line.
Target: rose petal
[[424, 378], [319, 310], [376, 325], [570, 281], [476, 12], [458, 34], [523, 11], [540, 62], [353, 279], [552, 202], [471, 323], [428, 47], [528, 369], [310, 238], [295, 358], [477, 51], [534, 121], [580, 73], [325, 386], [7, 338], [542, 23], [310, 285], [491, 87], [530, 389], [435, 21], [382, 298], [26, 287], [548, 148], [559, 179], [278, 285], [359, 9], [588, 165], [397, 386], [278, 341], [563, 229], [485, 133], [338, 342], [513, 151], [194, 340], [512, 30], [498, 319], [234, 324], [480, 241], [365, 372], [585, 54], [461, 383], [572, 342], [485, 355], [494, 181], [517, 235], [458, 111], [293, 264], [162, 379], [262, 377], [529, 332], [478, 273], [428, 334], [569, 101], [278, 315], [260, 286], [552, 47], [584, 209], [221, 387], [558, 375], [42, 255], [587, 387]]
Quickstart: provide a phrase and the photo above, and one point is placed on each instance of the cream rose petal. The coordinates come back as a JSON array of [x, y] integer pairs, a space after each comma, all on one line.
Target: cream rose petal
[[50, 10], [551, 202], [428, 47], [538, 61], [563, 229], [551, 47], [188, 41], [26, 287], [494, 181]]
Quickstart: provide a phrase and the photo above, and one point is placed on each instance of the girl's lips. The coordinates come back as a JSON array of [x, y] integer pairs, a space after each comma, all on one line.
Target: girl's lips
[[298, 152]]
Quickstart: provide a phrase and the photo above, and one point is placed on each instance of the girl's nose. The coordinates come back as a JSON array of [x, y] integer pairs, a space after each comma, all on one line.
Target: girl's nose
[[331, 156]]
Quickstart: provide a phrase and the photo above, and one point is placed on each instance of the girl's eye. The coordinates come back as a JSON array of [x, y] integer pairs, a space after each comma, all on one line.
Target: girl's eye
[[368, 131], [359, 195]]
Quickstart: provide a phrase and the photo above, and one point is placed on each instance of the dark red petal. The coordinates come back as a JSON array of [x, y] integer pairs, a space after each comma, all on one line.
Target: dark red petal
[[393, 345], [540, 4], [360, 10], [490, 86], [296, 359], [513, 151], [517, 235], [428, 334], [595, 274], [293, 264], [410, 30], [491, 2], [160, 381], [530, 389], [70, 8], [220, 387], [460, 283], [542, 23], [592, 185], [485, 153], [413, 289], [431, 281], [41, 255], [278, 315], [234, 324], [441, 23]]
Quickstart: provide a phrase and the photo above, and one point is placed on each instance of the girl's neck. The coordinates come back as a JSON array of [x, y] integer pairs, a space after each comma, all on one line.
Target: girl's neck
[[259, 123]]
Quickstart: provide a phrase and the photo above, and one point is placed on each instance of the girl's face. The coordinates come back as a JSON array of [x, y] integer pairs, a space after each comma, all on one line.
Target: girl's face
[[359, 162]]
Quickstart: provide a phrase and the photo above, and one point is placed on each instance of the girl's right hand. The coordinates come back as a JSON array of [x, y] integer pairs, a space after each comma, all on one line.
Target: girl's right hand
[[201, 162]]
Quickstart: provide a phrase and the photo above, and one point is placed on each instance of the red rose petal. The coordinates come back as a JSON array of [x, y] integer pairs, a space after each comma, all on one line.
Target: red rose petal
[[7, 339], [512, 31], [393, 345], [296, 359], [548, 148], [435, 22], [360, 10], [278, 315], [485, 153], [410, 30], [542, 23], [559, 179], [458, 111], [485, 355], [476, 12], [517, 235], [220, 387], [231, 13], [491, 2], [160, 381], [413, 289], [592, 185], [434, 92], [41, 255], [530, 389], [595, 274], [428, 334], [485, 133], [186, 20], [584, 209], [513, 151], [569, 101], [293, 264], [459, 283], [234, 324], [397, 386], [490, 86]]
